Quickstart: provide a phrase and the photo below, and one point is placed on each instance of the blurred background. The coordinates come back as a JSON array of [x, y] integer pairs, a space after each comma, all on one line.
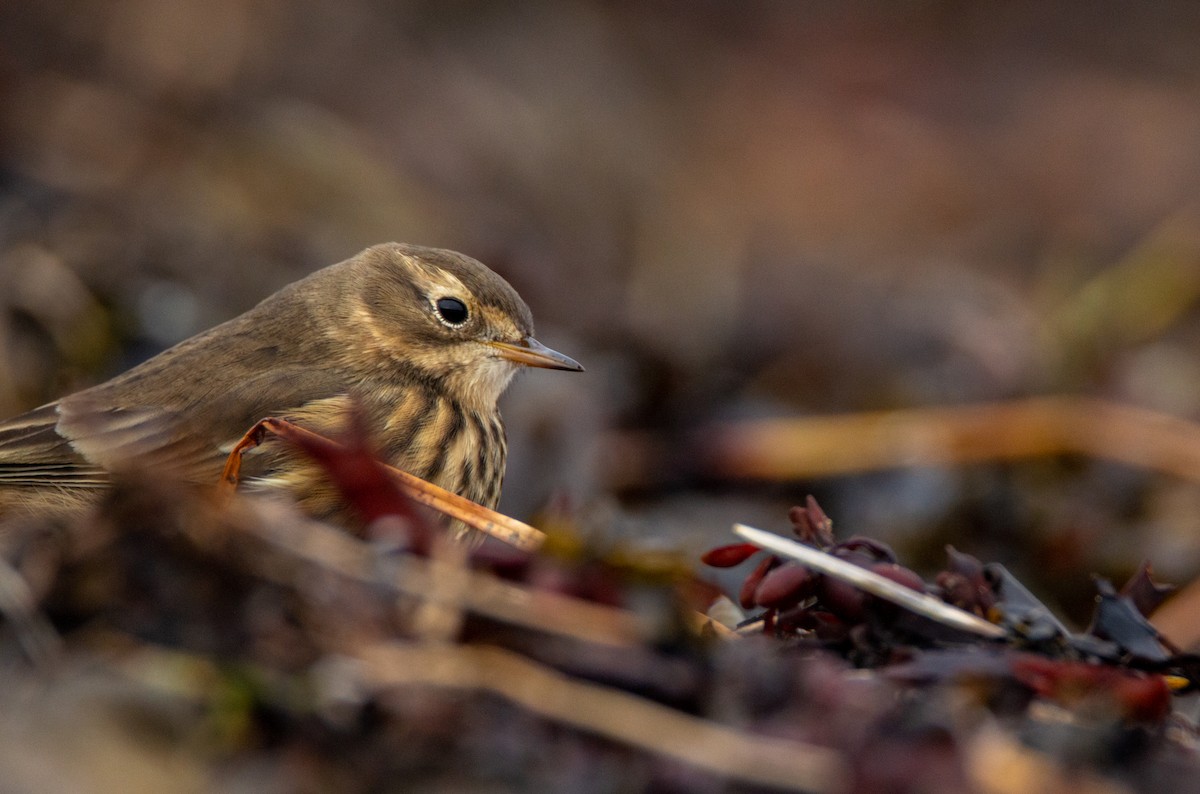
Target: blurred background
[[723, 210]]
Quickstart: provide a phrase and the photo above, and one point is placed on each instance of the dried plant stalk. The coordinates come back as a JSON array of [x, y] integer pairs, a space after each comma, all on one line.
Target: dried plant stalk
[[614, 714], [790, 448], [498, 525], [481, 593], [38, 639]]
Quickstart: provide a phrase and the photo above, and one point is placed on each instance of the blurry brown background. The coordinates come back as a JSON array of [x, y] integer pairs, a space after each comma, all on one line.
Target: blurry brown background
[[723, 210]]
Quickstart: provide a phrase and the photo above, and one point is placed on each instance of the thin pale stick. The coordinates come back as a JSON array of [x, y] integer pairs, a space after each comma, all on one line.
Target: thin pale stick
[[873, 583]]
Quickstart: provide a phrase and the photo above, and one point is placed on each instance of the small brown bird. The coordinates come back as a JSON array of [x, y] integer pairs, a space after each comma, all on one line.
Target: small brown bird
[[422, 340]]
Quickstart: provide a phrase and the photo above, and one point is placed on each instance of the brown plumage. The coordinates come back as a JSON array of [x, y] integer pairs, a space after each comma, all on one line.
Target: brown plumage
[[423, 340]]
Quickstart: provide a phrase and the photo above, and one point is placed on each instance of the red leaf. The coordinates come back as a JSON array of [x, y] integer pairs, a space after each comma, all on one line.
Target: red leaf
[[729, 556]]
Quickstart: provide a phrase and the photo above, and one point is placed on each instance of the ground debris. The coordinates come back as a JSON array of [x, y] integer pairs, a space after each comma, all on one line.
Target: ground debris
[[239, 642]]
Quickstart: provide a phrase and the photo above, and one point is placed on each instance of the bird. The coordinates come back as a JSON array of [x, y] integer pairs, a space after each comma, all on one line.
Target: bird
[[420, 342]]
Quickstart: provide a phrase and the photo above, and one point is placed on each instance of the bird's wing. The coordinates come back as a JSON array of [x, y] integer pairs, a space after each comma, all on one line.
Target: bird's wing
[[32, 453], [77, 441], [147, 439], [74, 444]]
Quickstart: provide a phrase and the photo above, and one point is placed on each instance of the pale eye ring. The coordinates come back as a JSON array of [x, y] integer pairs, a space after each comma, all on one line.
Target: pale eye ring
[[451, 311]]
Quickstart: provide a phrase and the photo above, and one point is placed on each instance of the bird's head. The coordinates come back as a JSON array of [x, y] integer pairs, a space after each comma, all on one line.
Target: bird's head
[[448, 317]]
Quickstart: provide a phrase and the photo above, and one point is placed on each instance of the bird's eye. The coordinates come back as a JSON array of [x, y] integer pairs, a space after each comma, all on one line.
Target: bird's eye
[[452, 311]]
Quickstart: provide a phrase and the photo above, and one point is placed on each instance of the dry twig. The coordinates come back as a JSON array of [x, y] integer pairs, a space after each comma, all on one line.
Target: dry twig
[[791, 448], [616, 715], [873, 583], [481, 593], [498, 525], [37, 637]]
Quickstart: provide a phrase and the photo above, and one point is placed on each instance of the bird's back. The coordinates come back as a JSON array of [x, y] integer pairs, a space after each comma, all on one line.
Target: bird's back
[[175, 414]]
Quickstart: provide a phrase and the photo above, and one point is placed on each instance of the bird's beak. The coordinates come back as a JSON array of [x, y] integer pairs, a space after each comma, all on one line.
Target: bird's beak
[[530, 352]]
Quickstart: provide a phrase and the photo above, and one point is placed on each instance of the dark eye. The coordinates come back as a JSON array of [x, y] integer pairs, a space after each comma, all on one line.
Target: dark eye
[[451, 310]]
